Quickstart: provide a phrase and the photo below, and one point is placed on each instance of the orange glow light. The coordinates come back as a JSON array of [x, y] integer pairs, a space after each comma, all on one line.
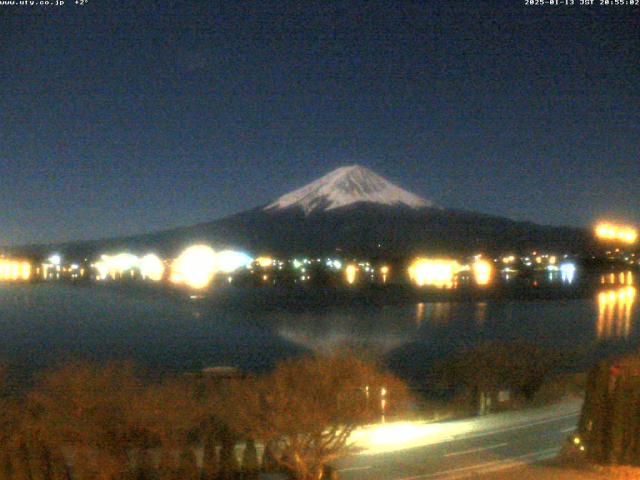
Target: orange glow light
[[350, 273], [615, 308], [384, 270], [434, 272], [14, 270], [264, 262], [616, 233], [482, 272], [195, 267]]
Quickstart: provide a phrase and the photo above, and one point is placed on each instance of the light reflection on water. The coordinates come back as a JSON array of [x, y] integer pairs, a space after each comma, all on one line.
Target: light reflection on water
[[380, 329], [621, 278], [611, 316], [39, 322], [440, 313], [481, 313], [420, 309], [615, 307]]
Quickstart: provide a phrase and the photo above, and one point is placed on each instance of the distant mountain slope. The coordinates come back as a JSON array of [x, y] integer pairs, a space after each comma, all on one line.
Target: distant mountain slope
[[352, 210]]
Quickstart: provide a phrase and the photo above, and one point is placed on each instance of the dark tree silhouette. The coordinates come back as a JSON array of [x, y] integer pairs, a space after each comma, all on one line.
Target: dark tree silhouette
[[250, 465], [188, 466], [210, 465], [610, 421], [229, 467]]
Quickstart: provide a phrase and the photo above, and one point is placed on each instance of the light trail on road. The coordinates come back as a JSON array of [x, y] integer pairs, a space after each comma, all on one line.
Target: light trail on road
[[463, 448]]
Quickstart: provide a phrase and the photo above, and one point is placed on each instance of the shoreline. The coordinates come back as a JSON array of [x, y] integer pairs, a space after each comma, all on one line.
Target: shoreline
[[313, 298]]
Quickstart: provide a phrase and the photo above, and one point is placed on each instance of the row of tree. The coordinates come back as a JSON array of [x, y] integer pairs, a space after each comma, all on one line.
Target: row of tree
[[477, 375], [83, 421]]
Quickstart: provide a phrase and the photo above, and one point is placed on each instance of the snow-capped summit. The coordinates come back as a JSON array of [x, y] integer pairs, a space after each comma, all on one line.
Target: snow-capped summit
[[345, 186]]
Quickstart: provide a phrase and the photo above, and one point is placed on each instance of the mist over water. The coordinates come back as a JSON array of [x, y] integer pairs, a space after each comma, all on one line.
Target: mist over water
[[45, 324]]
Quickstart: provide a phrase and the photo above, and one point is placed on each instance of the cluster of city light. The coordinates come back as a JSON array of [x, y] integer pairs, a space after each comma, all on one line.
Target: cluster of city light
[[14, 270], [616, 233], [366, 267], [482, 271], [351, 270], [334, 264], [51, 267], [615, 312], [117, 266], [299, 264], [567, 272], [264, 261], [228, 261], [434, 272], [197, 265]]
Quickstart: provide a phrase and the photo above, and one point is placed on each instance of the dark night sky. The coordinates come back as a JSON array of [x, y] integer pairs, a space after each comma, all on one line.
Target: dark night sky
[[129, 116]]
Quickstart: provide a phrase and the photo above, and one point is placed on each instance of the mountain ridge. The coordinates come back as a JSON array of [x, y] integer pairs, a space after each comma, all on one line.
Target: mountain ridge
[[368, 216]]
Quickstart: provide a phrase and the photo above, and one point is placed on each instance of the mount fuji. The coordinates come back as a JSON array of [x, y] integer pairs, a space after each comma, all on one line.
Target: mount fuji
[[348, 186], [354, 211]]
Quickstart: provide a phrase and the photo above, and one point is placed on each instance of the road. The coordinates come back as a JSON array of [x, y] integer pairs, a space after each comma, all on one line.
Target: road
[[448, 450]]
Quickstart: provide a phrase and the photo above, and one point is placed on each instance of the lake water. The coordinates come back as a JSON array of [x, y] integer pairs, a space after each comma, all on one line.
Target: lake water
[[42, 324]]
